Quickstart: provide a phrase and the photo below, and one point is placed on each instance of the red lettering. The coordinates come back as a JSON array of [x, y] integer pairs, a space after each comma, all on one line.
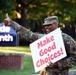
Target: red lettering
[[41, 53], [37, 64], [52, 57], [46, 60], [42, 61], [48, 39], [55, 55], [61, 50], [39, 44], [52, 38], [47, 50], [58, 52], [45, 41], [49, 58], [53, 46]]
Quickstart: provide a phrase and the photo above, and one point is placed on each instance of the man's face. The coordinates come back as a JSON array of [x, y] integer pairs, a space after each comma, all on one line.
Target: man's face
[[50, 28]]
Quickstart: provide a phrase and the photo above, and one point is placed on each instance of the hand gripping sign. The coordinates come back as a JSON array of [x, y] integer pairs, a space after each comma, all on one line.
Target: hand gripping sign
[[49, 48]]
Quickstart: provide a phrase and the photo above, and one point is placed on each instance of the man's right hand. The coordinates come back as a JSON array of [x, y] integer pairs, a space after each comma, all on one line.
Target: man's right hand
[[52, 65], [7, 21]]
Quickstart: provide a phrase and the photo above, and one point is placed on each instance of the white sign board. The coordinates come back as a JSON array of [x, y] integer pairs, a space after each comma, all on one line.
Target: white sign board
[[49, 48]]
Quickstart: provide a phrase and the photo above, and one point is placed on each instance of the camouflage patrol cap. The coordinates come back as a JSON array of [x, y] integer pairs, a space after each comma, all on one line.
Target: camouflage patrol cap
[[50, 20]]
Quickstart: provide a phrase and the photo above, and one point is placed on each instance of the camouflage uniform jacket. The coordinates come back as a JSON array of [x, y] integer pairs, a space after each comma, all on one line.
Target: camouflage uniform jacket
[[69, 43]]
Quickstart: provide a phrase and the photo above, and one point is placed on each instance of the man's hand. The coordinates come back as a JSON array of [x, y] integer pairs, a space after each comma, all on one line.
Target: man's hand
[[52, 65], [7, 21]]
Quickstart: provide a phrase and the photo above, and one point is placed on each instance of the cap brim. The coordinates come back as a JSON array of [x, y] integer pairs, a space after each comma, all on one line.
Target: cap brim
[[47, 23]]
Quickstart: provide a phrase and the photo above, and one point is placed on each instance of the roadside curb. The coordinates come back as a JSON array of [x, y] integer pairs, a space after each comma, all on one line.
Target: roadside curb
[[72, 72]]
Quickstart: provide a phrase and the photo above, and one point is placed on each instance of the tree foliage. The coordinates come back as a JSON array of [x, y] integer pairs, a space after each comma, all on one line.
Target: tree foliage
[[6, 6], [38, 9]]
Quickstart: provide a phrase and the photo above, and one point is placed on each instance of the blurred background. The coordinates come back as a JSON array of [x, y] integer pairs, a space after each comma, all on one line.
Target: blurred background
[[31, 14]]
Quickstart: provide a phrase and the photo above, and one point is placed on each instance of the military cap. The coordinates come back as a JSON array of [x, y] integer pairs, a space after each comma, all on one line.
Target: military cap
[[50, 20]]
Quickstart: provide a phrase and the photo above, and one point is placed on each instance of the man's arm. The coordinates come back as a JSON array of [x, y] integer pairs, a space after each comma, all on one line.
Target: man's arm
[[23, 32], [70, 46]]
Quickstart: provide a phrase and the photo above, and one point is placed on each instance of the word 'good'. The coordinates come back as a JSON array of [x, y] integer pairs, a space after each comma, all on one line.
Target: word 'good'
[[47, 50]]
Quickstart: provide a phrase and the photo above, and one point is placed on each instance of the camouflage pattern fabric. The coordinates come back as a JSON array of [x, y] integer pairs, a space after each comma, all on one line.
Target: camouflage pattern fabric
[[25, 33], [50, 71], [65, 63]]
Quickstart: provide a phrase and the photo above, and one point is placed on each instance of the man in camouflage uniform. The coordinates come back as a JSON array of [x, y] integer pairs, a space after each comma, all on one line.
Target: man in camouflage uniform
[[50, 23]]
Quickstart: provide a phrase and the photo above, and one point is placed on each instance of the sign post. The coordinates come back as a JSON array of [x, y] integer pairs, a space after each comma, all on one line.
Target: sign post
[[49, 48]]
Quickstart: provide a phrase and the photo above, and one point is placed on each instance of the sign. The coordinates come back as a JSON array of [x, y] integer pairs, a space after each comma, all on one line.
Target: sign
[[49, 48], [8, 36]]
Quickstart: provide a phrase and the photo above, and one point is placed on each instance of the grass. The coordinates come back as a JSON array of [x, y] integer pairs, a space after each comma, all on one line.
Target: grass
[[28, 63], [28, 69]]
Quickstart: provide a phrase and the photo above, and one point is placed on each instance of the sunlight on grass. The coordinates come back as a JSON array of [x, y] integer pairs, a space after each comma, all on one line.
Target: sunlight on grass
[[25, 50]]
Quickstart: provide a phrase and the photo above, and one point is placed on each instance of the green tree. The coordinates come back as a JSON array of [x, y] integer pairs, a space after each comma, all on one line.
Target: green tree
[[38, 9], [7, 6]]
